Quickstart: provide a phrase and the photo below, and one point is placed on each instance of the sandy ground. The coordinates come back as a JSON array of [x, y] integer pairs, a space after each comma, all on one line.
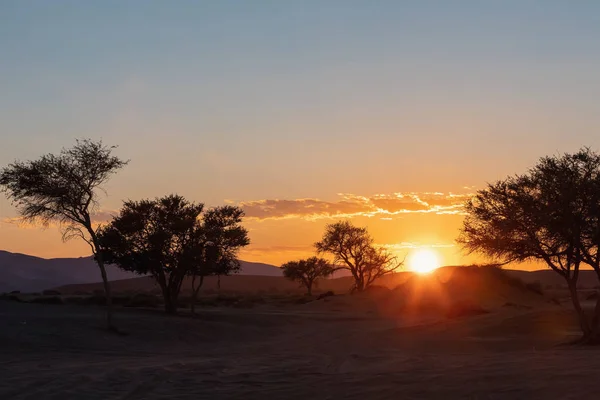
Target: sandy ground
[[295, 352]]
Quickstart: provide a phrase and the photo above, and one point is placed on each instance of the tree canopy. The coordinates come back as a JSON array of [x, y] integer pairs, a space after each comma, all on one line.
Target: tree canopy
[[156, 237], [170, 238], [307, 271], [64, 189], [550, 214], [221, 237], [353, 249]]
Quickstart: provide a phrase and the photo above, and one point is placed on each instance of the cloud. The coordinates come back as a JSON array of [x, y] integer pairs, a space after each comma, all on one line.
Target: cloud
[[350, 205], [412, 245], [275, 254], [279, 249]]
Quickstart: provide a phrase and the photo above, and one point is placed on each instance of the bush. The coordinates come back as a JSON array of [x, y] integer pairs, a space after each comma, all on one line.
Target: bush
[[329, 293], [304, 300], [95, 300], [14, 297], [47, 300]]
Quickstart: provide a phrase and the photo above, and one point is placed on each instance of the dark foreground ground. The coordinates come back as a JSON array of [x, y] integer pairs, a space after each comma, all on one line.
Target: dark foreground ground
[[293, 352]]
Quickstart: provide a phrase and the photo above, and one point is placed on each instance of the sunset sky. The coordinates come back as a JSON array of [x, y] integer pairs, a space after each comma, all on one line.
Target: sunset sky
[[303, 112]]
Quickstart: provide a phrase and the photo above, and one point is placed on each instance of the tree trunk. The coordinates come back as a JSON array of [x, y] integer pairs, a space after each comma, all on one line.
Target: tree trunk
[[594, 335], [595, 328], [195, 291], [100, 261], [360, 284], [107, 294], [583, 323], [170, 303]]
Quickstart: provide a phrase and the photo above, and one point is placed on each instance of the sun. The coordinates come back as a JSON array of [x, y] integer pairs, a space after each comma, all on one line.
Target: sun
[[423, 261]]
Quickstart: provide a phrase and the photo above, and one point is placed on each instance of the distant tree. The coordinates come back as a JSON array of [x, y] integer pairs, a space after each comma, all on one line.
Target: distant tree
[[306, 272], [63, 189], [157, 237], [221, 237], [550, 214], [353, 248]]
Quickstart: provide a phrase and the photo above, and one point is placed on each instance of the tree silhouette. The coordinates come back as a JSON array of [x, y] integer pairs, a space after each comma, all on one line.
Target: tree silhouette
[[63, 189], [550, 214], [156, 237], [307, 271], [221, 237], [354, 249], [171, 238]]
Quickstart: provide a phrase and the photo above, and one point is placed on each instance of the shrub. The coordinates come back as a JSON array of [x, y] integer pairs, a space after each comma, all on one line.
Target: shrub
[[47, 300], [329, 293]]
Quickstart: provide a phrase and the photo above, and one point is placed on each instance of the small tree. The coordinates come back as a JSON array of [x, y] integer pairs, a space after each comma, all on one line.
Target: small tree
[[550, 214], [157, 237], [221, 237], [307, 271], [63, 189], [354, 249]]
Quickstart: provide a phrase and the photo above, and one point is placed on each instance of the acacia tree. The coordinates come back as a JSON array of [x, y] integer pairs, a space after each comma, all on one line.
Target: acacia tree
[[307, 271], [550, 214], [221, 237], [63, 189], [354, 248], [156, 237]]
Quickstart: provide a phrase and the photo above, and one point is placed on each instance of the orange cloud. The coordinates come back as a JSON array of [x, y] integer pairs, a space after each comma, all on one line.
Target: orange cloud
[[411, 245], [350, 205]]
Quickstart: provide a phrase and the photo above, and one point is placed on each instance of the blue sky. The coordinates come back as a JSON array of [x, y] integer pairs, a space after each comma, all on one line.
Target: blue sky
[[257, 100]]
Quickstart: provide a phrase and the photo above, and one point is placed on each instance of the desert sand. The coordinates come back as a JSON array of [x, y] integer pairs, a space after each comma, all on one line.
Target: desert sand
[[319, 350]]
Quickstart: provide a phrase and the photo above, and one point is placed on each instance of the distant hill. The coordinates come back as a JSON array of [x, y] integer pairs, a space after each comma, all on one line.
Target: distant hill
[[234, 283], [547, 277], [255, 282], [34, 274]]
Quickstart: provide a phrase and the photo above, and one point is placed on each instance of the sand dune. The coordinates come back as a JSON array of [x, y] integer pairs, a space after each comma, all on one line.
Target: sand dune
[[61, 352], [380, 344]]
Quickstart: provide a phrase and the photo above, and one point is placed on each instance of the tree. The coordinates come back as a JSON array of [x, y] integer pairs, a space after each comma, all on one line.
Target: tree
[[63, 189], [550, 214], [221, 237], [157, 237], [354, 248], [307, 271]]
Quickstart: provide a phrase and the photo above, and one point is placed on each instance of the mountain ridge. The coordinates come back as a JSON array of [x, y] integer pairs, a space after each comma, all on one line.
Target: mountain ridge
[[28, 273]]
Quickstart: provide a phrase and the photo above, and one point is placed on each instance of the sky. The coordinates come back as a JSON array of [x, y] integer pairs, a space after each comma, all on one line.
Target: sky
[[389, 113]]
